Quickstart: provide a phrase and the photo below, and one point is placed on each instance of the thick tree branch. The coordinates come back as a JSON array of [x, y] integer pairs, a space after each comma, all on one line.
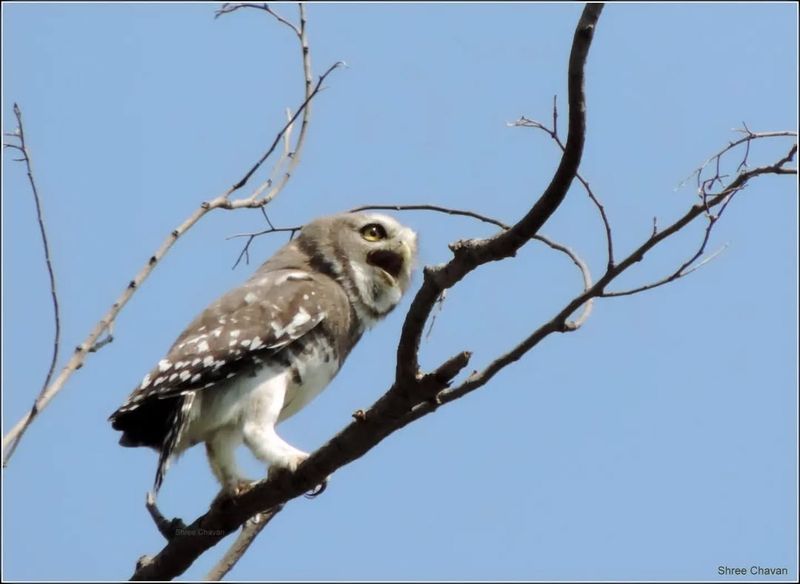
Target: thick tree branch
[[413, 396], [388, 413], [559, 322], [470, 254]]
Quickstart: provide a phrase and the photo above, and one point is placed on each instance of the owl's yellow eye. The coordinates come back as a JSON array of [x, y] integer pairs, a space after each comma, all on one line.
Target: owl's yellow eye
[[373, 232]]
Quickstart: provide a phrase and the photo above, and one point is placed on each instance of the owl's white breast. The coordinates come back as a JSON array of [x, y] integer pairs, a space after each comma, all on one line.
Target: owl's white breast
[[316, 367], [228, 405]]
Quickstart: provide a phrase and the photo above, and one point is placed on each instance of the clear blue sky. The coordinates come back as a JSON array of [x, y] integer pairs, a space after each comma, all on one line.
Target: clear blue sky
[[658, 442]]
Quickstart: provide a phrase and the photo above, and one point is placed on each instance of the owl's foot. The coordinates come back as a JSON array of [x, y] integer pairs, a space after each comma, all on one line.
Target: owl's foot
[[240, 486], [233, 489], [288, 461]]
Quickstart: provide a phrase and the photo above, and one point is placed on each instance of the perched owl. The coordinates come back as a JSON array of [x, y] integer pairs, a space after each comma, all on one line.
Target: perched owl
[[261, 352]]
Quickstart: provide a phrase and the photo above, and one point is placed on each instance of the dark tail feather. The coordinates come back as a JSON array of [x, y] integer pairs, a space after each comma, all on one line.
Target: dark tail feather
[[148, 423], [179, 422]]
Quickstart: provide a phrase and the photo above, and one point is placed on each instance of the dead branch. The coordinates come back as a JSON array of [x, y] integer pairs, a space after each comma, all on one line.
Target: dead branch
[[245, 253], [709, 201], [553, 133], [253, 526], [559, 322], [249, 532], [292, 157], [437, 208], [401, 405], [717, 158], [410, 387], [39, 403], [582, 266], [221, 202], [470, 254], [414, 393]]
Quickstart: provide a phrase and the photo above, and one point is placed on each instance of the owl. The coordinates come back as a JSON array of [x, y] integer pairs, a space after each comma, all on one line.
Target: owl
[[264, 350]]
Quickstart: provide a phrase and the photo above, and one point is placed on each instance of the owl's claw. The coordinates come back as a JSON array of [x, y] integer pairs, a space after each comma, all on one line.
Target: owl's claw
[[317, 491], [242, 486], [232, 490]]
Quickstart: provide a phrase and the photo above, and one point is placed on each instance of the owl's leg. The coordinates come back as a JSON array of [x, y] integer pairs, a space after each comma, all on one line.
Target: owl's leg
[[221, 452], [260, 417]]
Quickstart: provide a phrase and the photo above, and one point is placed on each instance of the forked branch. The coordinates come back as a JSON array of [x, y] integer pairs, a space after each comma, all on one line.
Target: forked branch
[[389, 412], [93, 340]]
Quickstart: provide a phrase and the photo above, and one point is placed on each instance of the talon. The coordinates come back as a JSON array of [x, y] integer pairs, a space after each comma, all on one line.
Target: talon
[[241, 486], [233, 490], [317, 491]]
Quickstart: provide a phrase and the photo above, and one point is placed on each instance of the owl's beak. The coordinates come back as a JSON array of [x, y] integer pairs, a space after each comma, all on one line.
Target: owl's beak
[[396, 260], [390, 261], [406, 252]]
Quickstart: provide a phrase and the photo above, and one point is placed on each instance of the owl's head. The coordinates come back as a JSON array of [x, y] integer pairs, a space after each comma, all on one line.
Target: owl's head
[[372, 255]]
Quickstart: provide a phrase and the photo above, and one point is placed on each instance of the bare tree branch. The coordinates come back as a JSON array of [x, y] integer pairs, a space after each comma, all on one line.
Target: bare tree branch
[[559, 322], [253, 527], [300, 32], [245, 253], [553, 133], [470, 254], [247, 535], [716, 158], [38, 404], [415, 394], [685, 268], [436, 208], [221, 202], [410, 387], [587, 278], [709, 201]]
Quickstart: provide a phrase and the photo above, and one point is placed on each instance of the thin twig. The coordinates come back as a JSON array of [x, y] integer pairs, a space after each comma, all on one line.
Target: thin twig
[[249, 534], [250, 530], [381, 420], [485, 219], [245, 253], [22, 147], [685, 268], [719, 199], [221, 202], [559, 322], [748, 137], [438, 310], [468, 255], [436, 208], [553, 133], [294, 157], [411, 397], [229, 7], [585, 273], [309, 96]]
